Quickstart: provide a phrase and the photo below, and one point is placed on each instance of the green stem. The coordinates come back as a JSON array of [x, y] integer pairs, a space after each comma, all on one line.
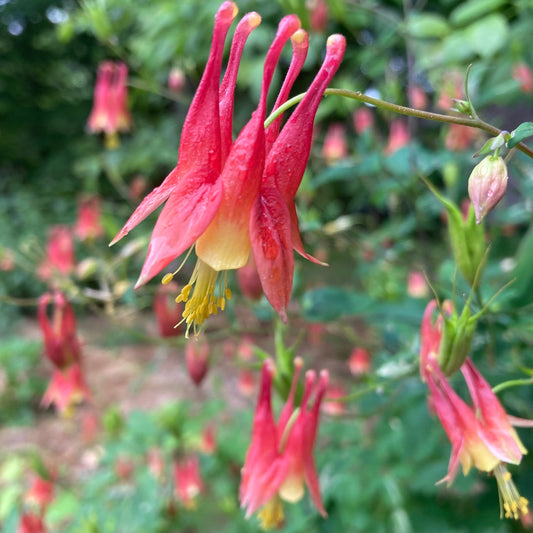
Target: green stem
[[512, 383], [402, 110]]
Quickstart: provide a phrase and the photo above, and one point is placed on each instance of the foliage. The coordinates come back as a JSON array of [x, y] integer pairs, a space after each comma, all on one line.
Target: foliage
[[369, 213]]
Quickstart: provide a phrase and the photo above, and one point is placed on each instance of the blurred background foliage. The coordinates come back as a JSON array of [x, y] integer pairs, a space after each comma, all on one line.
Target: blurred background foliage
[[366, 210]]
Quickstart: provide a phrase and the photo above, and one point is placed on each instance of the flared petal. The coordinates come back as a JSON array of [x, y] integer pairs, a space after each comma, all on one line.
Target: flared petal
[[272, 248], [200, 144], [186, 215], [500, 438], [297, 239]]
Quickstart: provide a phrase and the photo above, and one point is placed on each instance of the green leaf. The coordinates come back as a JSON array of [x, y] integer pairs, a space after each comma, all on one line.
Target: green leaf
[[494, 26], [427, 26], [471, 11], [519, 134]]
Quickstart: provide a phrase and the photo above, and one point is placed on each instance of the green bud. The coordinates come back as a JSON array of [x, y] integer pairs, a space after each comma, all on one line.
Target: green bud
[[457, 337], [462, 106]]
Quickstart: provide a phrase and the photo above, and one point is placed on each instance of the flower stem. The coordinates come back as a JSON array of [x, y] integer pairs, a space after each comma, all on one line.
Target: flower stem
[[402, 110]]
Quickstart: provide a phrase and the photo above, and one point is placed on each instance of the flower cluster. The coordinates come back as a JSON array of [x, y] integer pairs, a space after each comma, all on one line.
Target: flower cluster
[[62, 348], [228, 198]]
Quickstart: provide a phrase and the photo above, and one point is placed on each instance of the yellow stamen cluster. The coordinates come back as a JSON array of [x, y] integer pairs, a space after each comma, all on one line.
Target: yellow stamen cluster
[[512, 505], [199, 295], [271, 515]]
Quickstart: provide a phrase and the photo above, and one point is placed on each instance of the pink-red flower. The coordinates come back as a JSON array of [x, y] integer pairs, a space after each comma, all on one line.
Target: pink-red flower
[[31, 523], [211, 194], [40, 493], [197, 359], [522, 74], [335, 144], [62, 348], [399, 136], [110, 113], [89, 223], [167, 311], [280, 459], [59, 254], [363, 119], [481, 435], [360, 362], [188, 482]]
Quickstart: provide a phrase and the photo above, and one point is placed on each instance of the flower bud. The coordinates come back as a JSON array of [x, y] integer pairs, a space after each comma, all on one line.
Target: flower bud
[[487, 184]]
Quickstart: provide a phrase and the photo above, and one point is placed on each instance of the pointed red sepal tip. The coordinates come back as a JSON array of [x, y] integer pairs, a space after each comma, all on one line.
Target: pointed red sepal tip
[[140, 282]]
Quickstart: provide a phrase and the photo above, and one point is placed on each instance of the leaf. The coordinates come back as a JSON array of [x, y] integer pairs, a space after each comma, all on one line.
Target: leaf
[[472, 10], [427, 26], [519, 134], [494, 26]]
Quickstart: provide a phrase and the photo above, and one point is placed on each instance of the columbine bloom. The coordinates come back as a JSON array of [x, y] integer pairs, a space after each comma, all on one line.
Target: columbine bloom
[[166, 310], [31, 523], [360, 362], [40, 493], [249, 282], [280, 457], [110, 113], [62, 348], [59, 253], [363, 119], [216, 181], [197, 359], [89, 222], [188, 482], [399, 136], [417, 286], [335, 145], [523, 75], [482, 435]]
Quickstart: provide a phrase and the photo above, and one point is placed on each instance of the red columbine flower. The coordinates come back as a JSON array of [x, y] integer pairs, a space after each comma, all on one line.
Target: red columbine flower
[[523, 75], [31, 523], [360, 362], [110, 113], [62, 348], [399, 136], [166, 310], [59, 253], [481, 436], [280, 457], [217, 181], [40, 493], [197, 359], [188, 481], [335, 145], [363, 119], [417, 286], [89, 223]]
